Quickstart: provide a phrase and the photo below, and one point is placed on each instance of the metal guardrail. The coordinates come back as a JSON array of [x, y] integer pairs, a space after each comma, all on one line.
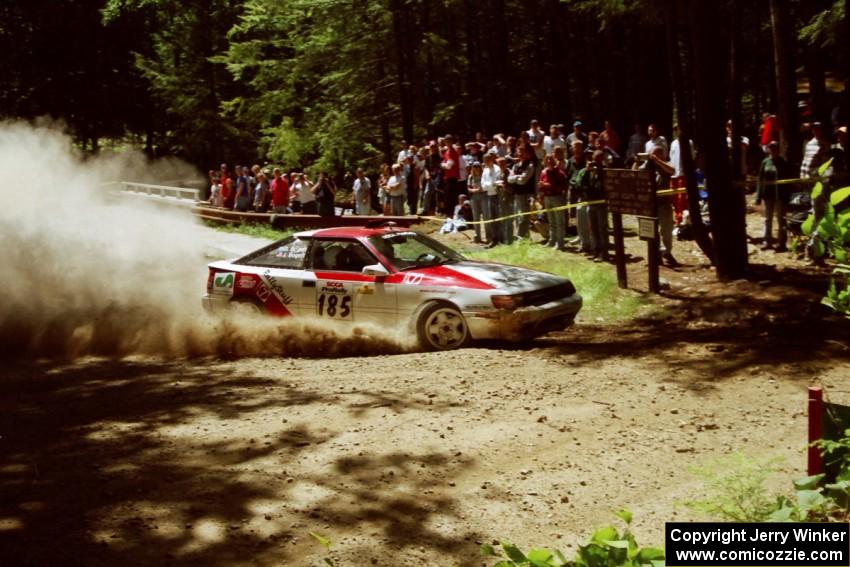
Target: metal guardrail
[[190, 198], [161, 191]]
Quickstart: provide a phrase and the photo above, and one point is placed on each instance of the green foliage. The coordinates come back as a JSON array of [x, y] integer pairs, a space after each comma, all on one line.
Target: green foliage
[[833, 238], [814, 502], [734, 489], [177, 56], [836, 452], [326, 543], [824, 28], [314, 87], [838, 295], [607, 548]]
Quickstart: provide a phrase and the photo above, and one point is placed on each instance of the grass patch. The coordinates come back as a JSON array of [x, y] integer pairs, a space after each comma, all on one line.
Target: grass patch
[[256, 230], [596, 282]]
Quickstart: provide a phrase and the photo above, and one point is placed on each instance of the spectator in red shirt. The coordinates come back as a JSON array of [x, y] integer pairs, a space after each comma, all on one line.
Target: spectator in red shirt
[[610, 138], [451, 175], [280, 192], [769, 131], [228, 195]]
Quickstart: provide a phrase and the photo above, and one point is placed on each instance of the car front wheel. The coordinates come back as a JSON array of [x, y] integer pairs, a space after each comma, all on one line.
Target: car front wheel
[[442, 327]]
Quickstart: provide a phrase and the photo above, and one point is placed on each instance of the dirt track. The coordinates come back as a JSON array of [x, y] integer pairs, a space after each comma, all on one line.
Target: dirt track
[[406, 459], [413, 458]]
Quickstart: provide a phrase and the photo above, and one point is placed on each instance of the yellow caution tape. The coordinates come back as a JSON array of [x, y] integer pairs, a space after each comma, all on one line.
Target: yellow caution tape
[[526, 213], [660, 192]]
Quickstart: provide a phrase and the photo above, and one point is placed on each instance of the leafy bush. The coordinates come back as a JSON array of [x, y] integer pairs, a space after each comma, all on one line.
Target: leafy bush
[[832, 237], [737, 492], [735, 489], [606, 548]]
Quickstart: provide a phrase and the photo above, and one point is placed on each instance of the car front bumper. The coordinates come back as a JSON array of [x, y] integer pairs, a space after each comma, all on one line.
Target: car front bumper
[[525, 322]]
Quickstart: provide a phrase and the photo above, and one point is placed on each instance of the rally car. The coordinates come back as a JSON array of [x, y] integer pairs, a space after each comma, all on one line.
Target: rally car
[[393, 277]]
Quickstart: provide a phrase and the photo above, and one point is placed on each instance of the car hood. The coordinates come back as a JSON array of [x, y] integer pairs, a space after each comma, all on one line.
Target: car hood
[[508, 278]]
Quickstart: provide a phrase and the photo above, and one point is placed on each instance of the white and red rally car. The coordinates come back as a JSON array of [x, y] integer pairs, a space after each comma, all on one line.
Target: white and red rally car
[[394, 277]]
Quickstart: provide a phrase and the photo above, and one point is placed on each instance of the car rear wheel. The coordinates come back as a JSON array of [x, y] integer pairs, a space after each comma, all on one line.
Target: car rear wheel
[[246, 307], [442, 327]]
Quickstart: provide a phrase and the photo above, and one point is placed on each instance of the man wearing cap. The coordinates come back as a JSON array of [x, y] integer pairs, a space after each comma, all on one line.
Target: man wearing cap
[[775, 197], [577, 134]]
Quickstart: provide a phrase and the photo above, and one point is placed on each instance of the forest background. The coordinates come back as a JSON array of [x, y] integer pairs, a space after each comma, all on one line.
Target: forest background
[[339, 83]]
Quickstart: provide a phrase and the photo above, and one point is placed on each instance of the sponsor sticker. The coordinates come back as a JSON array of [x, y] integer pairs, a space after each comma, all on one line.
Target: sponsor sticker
[[263, 292], [247, 282], [333, 300], [223, 282], [277, 287], [412, 278]]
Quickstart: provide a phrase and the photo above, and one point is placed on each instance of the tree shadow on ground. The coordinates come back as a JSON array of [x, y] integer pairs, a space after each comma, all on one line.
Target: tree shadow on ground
[[770, 318], [110, 462]]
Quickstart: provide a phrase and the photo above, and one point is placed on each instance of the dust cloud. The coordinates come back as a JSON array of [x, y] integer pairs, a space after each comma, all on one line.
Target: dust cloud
[[84, 273]]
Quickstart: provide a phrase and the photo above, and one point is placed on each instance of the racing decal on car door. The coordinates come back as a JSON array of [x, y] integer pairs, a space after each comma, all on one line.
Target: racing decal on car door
[[276, 287], [223, 282], [333, 300]]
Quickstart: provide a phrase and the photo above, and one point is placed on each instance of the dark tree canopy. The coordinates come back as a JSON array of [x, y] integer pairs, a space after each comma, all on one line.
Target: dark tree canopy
[[339, 83]]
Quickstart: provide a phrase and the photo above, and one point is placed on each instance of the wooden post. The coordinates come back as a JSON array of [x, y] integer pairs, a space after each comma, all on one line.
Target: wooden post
[[652, 252], [815, 429], [619, 250]]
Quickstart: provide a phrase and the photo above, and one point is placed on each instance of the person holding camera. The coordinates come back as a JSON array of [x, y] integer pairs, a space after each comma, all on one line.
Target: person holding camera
[[663, 170], [324, 190]]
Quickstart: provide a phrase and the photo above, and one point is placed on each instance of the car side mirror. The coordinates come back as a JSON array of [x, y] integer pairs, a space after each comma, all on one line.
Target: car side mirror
[[376, 270]]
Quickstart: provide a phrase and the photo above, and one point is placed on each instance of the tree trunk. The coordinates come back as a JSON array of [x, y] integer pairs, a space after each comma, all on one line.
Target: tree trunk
[[560, 79], [381, 109], [817, 85], [474, 70], [725, 201], [502, 68], [428, 86], [403, 70], [683, 105], [735, 75], [786, 83]]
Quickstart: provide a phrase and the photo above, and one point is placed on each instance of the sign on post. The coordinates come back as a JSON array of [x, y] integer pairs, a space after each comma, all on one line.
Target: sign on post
[[647, 228], [632, 192]]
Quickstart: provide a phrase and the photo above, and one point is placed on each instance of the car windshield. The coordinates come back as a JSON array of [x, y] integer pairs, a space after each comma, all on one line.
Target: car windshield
[[410, 250]]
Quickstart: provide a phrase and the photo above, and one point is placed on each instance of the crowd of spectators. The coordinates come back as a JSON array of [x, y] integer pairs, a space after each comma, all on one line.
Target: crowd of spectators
[[253, 189], [492, 177]]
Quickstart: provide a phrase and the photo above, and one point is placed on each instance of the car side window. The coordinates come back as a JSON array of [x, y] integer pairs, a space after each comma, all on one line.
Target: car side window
[[289, 253], [340, 256]]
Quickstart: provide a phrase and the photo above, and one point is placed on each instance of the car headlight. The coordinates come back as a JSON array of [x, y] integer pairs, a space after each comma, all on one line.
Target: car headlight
[[506, 301]]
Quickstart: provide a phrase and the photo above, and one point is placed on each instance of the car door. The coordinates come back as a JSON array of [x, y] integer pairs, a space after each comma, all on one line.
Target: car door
[[341, 290]]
